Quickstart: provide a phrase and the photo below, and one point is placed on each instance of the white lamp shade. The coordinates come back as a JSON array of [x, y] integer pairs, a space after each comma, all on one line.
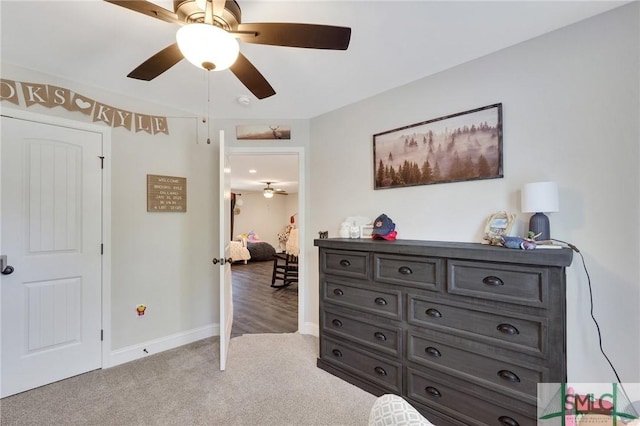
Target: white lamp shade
[[207, 46], [540, 197]]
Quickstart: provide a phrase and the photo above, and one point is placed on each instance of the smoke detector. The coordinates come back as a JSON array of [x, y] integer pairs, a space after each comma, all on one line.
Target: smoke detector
[[244, 100]]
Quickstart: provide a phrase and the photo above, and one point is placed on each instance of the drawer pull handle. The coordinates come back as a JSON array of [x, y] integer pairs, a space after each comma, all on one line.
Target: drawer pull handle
[[431, 351], [345, 263], [337, 353], [509, 376], [380, 301], [433, 391], [337, 323], [508, 329], [507, 421], [338, 292], [380, 336], [405, 270], [433, 313], [380, 371], [494, 281]]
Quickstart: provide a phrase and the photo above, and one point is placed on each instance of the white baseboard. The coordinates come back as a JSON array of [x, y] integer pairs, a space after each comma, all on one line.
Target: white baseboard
[[131, 353], [310, 328]]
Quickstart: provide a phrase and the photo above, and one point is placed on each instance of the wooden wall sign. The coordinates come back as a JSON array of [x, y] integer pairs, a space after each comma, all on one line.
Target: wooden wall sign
[[166, 194]]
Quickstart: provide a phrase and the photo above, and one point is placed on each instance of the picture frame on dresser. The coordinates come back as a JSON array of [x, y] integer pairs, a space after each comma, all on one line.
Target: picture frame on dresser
[[366, 231], [498, 225], [454, 148]]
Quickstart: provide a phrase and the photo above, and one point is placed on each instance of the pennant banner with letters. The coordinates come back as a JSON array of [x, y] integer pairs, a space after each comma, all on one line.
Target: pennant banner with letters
[[53, 96]]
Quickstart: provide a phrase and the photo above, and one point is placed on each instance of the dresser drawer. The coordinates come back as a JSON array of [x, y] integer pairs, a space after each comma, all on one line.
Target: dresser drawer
[[383, 372], [363, 331], [422, 272], [379, 301], [474, 405], [503, 282], [516, 331], [352, 264], [471, 358]]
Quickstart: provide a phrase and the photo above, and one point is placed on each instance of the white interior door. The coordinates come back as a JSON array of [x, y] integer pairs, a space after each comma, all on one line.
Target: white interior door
[[51, 232], [226, 296]]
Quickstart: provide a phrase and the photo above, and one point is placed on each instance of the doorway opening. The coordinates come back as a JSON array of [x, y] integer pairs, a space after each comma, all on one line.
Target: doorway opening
[[266, 223]]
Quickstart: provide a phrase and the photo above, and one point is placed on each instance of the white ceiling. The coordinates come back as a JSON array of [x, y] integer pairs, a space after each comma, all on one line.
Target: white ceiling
[[392, 43], [281, 170]]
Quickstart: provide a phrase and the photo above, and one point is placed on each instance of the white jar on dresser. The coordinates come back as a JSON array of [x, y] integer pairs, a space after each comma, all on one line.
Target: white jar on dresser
[[463, 331]]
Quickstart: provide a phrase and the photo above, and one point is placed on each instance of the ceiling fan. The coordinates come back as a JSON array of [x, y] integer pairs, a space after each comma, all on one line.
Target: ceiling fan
[[223, 18], [268, 192]]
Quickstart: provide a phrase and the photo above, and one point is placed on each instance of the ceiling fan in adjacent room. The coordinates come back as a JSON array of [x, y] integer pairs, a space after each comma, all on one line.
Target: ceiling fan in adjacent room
[[208, 39], [269, 192]]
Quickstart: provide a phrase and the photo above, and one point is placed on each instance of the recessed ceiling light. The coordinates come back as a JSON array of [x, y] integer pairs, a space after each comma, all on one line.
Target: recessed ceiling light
[[253, 171]]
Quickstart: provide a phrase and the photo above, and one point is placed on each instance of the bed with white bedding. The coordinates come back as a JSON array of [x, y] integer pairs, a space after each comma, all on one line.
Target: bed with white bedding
[[238, 251]]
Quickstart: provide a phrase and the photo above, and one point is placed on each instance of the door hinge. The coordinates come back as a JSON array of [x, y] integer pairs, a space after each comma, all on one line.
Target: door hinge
[[101, 335], [101, 161], [101, 249]]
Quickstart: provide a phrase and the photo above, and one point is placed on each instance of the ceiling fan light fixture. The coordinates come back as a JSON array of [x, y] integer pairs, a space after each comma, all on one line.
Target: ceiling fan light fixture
[[207, 46], [268, 192]]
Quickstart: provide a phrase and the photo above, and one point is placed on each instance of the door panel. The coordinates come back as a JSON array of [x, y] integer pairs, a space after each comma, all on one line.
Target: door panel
[[226, 296], [54, 315], [51, 232]]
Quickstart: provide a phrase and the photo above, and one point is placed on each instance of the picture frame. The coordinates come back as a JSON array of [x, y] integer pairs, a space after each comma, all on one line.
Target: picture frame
[[459, 147], [366, 231], [263, 131], [497, 225]]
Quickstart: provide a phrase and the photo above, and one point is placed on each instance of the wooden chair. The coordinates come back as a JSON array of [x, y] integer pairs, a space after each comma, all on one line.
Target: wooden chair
[[285, 269]]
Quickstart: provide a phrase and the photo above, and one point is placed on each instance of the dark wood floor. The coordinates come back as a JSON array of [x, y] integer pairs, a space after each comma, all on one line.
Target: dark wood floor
[[258, 307]]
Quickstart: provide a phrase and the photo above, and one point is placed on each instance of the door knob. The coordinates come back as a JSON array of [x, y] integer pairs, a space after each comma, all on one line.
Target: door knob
[[4, 268]]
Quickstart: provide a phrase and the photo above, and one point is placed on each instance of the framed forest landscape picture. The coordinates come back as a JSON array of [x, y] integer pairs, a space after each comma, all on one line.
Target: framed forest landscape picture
[[455, 148]]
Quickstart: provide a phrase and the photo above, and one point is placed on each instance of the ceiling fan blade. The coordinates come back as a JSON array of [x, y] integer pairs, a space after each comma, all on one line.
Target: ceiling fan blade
[[298, 35], [251, 78], [149, 9], [158, 63]]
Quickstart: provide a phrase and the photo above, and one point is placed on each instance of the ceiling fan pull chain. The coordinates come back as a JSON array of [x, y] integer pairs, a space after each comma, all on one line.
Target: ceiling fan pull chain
[[208, 107]]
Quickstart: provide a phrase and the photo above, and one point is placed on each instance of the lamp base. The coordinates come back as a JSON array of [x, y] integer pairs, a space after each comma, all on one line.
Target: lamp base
[[539, 224]]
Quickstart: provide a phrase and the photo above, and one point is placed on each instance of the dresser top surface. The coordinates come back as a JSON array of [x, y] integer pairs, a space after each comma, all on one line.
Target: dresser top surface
[[473, 251]]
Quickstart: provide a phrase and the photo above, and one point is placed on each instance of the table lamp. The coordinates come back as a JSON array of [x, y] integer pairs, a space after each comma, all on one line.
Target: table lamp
[[540, 198]]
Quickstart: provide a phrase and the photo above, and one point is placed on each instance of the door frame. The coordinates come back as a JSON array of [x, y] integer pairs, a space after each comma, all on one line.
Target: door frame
[[300, 152], [106, 210]]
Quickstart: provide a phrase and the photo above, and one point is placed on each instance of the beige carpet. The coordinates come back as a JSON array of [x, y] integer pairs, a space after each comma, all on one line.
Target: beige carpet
[[271, 379]]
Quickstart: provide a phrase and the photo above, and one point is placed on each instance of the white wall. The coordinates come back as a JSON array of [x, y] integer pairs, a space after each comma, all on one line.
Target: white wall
[[571, 114], [264, 216]]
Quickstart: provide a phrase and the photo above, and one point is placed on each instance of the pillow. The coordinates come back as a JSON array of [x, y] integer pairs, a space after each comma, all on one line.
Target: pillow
[[393, 410]]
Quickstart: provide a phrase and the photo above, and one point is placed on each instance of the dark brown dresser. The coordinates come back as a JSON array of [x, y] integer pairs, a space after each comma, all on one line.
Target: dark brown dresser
[[463, 331]]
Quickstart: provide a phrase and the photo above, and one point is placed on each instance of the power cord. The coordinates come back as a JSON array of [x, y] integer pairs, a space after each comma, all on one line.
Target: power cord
[[584, 265]]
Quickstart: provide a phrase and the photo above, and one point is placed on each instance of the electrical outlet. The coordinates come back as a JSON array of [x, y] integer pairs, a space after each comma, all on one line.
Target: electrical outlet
[[141, 309]]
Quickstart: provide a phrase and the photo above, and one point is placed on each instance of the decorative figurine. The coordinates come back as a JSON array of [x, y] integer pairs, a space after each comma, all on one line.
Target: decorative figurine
[[527, 243], [518, 243]]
